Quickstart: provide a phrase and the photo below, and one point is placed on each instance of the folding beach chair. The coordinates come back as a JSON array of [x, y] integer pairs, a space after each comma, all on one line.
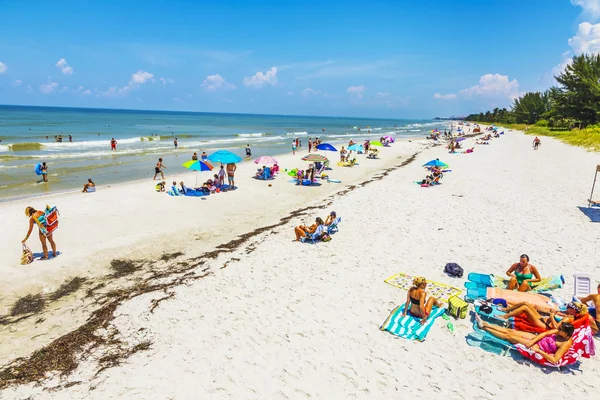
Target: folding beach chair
[[48, 222], [333, 227], [313, 237]]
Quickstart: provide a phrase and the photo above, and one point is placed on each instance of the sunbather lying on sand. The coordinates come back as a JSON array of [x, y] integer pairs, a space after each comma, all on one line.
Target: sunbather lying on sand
[[574, 311], [594, 298], [522, 275], [551, 345], [417, 304], [302, 230]]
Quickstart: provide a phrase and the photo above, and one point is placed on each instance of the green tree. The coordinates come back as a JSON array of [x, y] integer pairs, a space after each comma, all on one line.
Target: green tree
[[577, 96], [531, 107]]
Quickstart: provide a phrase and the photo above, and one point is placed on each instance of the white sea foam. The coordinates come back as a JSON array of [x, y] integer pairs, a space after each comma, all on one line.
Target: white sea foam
[[92, 143], [3, 148], [296, 133], [243, 135]]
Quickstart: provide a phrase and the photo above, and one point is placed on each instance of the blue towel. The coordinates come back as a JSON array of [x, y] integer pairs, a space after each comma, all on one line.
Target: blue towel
[[409, 327]]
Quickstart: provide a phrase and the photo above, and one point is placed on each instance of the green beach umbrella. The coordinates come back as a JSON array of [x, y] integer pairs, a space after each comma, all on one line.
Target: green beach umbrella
[[375, 143]]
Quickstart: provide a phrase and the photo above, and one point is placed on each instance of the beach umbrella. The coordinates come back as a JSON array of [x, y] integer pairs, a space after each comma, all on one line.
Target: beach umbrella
[[326, 147], [314, 158], [356, 147], [224, 157], [265, 160], [375, 143], [196, 165], [436, 163], [391, 139]]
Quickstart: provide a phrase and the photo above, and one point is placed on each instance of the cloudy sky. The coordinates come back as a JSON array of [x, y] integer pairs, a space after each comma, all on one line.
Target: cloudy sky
[[341, 58]]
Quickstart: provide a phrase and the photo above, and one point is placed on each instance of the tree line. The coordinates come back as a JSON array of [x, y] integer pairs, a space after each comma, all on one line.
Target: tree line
[[573, 102]]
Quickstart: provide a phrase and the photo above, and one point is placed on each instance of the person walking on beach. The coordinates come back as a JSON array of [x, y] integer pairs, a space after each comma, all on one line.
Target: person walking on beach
[[294, 147], [536, 143], [34, 215], [175, 143], [158, 169], [113, 144], [248, 151], [44, 171], [309, 145], [231, 167]]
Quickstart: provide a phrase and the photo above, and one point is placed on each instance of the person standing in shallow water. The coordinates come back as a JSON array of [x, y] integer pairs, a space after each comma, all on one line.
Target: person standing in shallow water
[[248, 151], [175, 143], [44, 170]]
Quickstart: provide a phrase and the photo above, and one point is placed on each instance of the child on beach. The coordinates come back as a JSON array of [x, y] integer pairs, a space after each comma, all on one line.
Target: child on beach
[[44, 170], [160, 187], [248, 151], [195, 157], [293, 147], [175, 143], [158, 169], [222, 175], [204, 156]]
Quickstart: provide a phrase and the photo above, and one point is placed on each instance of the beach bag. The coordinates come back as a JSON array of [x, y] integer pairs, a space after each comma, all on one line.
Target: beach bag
[[457, 307], [325, 237], [454, 270], [26, 255]]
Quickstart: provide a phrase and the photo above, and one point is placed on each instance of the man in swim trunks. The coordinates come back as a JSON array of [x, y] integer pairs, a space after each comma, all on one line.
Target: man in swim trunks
[[113, 144], [231, 167], [158, 169], [522, 275], [594, 319], [248, 151]]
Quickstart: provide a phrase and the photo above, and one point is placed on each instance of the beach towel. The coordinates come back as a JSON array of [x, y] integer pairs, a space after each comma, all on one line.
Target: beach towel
[[440, 291], [546, 284], [408, 327]]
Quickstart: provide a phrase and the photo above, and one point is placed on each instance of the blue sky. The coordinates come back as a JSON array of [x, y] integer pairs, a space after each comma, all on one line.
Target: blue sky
[[411, 59]]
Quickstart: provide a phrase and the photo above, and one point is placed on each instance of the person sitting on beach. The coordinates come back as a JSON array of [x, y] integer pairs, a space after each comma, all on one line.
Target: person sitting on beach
[[204, 156], [182, 188], [539, 323], [194, 157], [594, 319], [330, 218], [259, 172], [160, 187], [417, 304], [552, 345], [350, 143], [35, 215], [173, 191], [89, 187], [217, 181], [275, 169], [366, 146], [522, 275], [470, 150], [301, 231], [299, 176]]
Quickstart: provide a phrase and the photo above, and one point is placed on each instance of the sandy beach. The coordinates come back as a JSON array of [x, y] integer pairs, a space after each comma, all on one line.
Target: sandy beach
[[245, 312]]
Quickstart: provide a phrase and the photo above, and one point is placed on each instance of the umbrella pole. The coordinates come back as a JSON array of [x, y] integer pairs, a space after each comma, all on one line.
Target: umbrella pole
[[593, 185], [196, 180]]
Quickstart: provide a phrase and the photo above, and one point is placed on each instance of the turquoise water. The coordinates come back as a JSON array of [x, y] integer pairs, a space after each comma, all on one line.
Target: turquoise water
[[27, 137]]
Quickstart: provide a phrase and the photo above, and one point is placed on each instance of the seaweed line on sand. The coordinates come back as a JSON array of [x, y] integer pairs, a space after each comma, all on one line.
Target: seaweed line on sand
[[62, 356]]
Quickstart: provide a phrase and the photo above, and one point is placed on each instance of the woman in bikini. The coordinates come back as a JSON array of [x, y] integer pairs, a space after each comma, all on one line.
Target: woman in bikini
[[34, 215], [574, 311], [522, 275], [417, 304], [552, 345]]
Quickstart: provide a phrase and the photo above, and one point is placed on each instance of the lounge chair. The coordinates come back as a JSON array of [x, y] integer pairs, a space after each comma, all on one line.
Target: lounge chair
[[313, 237], [333, 227]]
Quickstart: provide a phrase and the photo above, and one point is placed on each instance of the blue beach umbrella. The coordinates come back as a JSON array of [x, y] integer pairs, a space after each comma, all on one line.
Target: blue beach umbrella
[[224, 157], [326, 147], [355, 147], [435, 163]]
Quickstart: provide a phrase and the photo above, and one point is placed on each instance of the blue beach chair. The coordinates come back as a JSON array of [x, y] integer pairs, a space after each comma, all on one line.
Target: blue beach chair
[[333, 227], [313, 237]]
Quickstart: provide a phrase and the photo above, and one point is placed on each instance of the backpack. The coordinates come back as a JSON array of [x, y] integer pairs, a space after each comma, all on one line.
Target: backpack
[[454, 270]]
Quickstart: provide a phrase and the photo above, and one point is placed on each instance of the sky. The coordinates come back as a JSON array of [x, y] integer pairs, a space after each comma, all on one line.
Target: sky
[[397, 59]]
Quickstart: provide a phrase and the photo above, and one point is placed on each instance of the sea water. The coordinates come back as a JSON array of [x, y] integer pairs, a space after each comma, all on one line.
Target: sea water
[[28, 134]]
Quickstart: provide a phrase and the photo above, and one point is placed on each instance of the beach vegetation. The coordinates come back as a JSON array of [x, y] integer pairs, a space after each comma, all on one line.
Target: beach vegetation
[[569, 111], [30, 304], [67, 288]]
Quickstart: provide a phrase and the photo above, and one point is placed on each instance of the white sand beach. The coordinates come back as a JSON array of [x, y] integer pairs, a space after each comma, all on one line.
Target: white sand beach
[[271, 318]]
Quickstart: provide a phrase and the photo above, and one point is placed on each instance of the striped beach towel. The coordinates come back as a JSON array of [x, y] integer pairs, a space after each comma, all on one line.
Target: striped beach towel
[[408, 327]]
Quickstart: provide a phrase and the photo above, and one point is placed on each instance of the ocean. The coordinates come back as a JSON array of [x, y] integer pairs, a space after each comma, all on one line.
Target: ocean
[[27, 137]]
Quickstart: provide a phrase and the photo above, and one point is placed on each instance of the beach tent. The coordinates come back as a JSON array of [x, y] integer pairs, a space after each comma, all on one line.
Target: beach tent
[[593, 186]]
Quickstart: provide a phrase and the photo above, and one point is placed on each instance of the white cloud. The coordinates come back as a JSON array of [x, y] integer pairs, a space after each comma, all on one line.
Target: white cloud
[[587, 39], [48, 88], [290, 93], [176, 99], [64, 67], [356, 92], [140, 77], [216, 82], [493, 85], [137, 79], [308, 92], [450, 96], [260, 79], [165, 81], [3, 67], [86, 92], [18, 82], [383, 95], [591, 8]]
